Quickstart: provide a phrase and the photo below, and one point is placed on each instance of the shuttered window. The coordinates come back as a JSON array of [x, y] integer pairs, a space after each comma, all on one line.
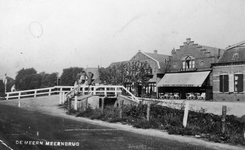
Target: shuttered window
[[238, 82], [224, 83]]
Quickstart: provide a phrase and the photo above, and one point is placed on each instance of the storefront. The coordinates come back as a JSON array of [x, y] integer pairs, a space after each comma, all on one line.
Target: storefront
[[183, 84], [189, 72]]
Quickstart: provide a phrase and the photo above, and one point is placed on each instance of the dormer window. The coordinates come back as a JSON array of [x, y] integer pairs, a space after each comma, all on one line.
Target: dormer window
[[235, 57], [188, 62]]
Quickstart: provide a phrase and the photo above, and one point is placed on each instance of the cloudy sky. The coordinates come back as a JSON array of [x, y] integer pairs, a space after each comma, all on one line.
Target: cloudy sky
[[50, 35]]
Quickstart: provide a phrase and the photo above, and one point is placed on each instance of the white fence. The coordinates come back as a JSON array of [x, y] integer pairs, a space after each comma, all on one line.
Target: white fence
[[100, 90]]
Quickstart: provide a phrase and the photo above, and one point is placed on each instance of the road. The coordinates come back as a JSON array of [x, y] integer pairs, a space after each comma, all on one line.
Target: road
[[30, 129]]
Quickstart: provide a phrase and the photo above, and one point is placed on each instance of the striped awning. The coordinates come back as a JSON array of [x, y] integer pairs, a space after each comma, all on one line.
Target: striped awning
[[187, 79]]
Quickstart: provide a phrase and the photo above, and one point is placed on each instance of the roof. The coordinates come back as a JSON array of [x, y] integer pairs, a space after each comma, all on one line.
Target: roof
[[158, 57], [234, 54], [213, 50], [95, 71], [187, 79]]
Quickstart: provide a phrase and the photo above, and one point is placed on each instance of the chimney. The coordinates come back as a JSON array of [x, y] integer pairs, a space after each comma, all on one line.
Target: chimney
[[218, 53], [155, 51]]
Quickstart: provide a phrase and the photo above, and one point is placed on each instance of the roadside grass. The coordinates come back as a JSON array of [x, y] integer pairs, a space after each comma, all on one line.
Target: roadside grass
[[200, 124]]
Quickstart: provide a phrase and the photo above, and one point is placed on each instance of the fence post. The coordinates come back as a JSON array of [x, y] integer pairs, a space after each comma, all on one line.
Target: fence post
[[7, 96], [75, 103], [186, 114], [35, 93], [49, 92], [69, 106], [148, 111], [105, 93], [19, 95], [60, 98], [63, 95], [120, 109], [86, 103], [102, 104], [223, 118]]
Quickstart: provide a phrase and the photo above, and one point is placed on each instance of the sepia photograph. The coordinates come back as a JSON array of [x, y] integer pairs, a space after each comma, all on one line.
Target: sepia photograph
[[122, 74]]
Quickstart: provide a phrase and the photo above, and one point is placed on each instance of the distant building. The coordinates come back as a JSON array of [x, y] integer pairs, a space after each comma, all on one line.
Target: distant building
[[228, 74], [189, 70], [95, 72]]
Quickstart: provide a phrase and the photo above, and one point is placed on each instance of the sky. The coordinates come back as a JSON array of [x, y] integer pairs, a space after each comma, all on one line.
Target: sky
[[50, 35]]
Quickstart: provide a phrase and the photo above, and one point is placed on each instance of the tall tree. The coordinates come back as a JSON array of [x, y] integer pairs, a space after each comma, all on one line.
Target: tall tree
[[48, 80], [135, 72], [21, 83], [70, 75]]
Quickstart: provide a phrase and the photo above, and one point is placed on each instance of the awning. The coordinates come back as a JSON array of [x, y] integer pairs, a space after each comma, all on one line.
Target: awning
[[187, 79]]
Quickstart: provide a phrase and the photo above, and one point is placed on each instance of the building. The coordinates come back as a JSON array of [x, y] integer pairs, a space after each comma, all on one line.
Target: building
[[157, 65], [189, 70], [228, 74], [95, 73]]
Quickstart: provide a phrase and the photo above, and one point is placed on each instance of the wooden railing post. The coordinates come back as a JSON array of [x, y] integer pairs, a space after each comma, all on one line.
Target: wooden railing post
[[186, 114], [60, 98], [148, 111], [103, 105], [19, 95], [69, 106], [75, 103], [86, 104], [223, 119], [105, 92], [115, 91], [7, 96], [49, 92], [121, 108], [60, 89], [35, 93], [63, 95]]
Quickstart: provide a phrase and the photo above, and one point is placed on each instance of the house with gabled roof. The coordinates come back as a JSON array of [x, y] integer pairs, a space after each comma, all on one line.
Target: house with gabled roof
[[228, 74], [189, 70], [155, 61]]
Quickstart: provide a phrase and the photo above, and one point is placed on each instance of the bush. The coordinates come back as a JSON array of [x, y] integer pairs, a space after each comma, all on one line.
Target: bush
[[205, 125]]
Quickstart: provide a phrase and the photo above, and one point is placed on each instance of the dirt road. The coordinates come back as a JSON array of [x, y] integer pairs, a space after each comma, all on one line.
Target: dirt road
[[40, 124]]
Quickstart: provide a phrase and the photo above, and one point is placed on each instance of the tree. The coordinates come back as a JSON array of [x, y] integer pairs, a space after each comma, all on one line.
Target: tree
[[70, 75], [21, 79], [48, 80], [136, 72]]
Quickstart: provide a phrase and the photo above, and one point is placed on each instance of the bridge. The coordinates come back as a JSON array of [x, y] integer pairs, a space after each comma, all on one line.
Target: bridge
[[111, 91]]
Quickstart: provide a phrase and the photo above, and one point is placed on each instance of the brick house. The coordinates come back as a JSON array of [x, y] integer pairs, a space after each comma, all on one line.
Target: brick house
[[189, 70], [228, 74], [157, 63]]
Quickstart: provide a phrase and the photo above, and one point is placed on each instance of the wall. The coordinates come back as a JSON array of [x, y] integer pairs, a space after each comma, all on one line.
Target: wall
[[227, 96]]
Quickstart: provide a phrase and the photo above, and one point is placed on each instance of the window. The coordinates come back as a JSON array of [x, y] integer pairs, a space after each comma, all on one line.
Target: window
[[224, 83], [151, 88], [238, 82], [188, 62]]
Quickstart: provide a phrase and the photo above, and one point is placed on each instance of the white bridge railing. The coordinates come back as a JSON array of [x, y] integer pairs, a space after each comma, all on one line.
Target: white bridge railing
[[100, 90]]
